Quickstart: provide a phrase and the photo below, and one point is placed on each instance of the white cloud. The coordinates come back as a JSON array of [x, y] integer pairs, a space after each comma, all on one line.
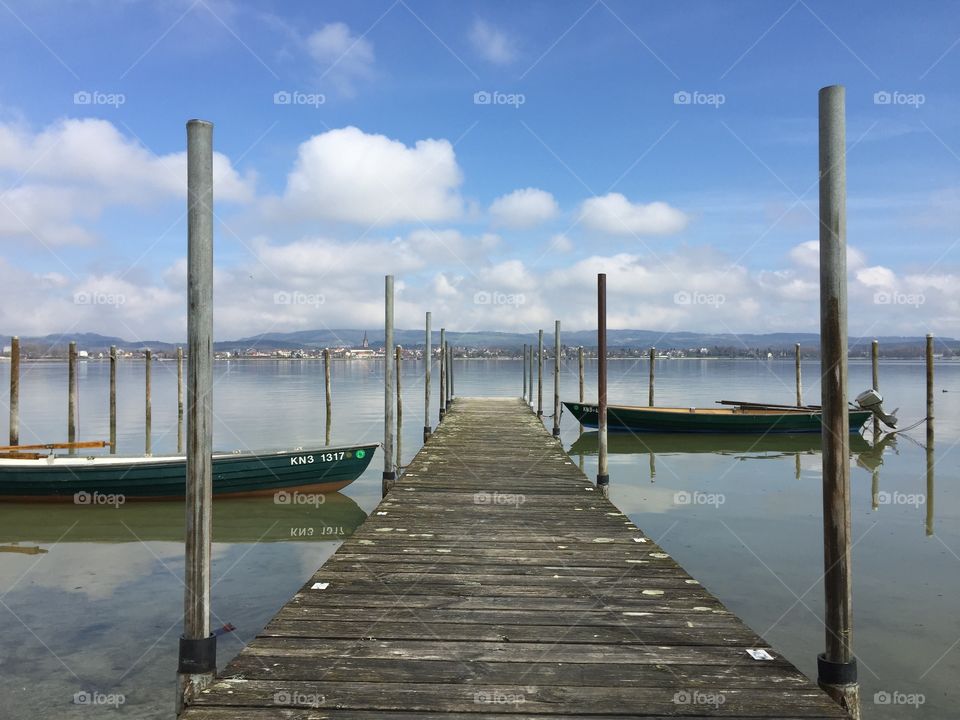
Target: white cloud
[[807, 254], [348, 175], [523, 208], [561, 243], [616, 215], [492, 43], [345, 58]]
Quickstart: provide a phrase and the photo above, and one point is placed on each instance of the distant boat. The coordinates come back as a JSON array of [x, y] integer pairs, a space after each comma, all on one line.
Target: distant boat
[[740, 418], [26, 475]]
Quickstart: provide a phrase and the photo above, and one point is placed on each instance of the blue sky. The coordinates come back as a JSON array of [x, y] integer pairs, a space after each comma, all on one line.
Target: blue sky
[[493, 216]]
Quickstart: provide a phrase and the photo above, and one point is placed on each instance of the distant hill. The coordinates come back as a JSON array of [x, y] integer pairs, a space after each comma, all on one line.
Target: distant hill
[[56, 344]]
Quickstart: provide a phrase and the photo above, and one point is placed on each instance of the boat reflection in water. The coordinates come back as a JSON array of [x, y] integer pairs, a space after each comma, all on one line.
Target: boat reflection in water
[[288, 515], [739, 446]]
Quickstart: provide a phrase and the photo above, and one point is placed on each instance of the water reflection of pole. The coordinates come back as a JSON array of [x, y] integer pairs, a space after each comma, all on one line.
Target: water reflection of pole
[[797, 468], [799, 380], [929, 453], [14, 391], [580, 370], [653, 466], [556, 379], [399, 408], [603, 472], [72, 395], [113, 399], [328, 398], [837, 666], [427, 363]]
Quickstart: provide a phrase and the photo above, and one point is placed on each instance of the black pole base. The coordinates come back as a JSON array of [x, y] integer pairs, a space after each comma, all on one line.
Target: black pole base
[[426, 432], [442, 413], [539, 413], [603, 480], [834, 673], [389, 475], [197, 656], [556, 432]]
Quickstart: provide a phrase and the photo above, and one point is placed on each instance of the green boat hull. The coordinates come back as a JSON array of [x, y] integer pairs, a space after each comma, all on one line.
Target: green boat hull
[[95, 480], [637, 419]]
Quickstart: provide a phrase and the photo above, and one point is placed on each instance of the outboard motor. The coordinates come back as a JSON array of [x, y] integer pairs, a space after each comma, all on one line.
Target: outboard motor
[[872, 400]]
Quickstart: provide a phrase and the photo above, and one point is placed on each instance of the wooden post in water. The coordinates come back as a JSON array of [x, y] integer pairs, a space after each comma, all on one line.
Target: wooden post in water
[[530, 368], [875, 366], [179, 401], [399, 408], [540, 375], [113, 399], [524, 371], [929, 452], [556, 379], [147, 408], [389, 471], [451, 381], [327, 395], [603, 472], [799, 380], [198, 646], [653, 365], [837, 666], [580, 370], [443, 372], [14, 390], [72, 395], [427, 362]]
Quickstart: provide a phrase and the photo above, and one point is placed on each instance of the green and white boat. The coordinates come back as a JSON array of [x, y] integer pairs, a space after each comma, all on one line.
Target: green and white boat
[[740, 418], [26, 475]]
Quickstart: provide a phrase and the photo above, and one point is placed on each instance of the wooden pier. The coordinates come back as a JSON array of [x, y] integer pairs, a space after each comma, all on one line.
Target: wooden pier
[[495, 580]]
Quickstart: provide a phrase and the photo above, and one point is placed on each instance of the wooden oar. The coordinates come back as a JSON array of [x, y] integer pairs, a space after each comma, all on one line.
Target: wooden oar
[[54, 446], [769, 405]]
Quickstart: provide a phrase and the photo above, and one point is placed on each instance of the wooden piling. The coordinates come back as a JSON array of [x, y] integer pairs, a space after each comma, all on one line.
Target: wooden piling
[[427, 363], [198, 646], [72, 395], [524, 371], [147, 408], [580, 371], [327, 395], [799, 380], [603, 472], [113, 399], [399, 362], [451, 381], [14, 390], [556, 379], [540, 375], [389, 469], [179, 401], [837, 666], [443, 372], [875, 366], [929, 356], [530, 368], [653, 365]]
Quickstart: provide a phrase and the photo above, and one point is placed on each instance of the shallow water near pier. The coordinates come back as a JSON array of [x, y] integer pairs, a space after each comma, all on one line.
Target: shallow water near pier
[[91, 597]]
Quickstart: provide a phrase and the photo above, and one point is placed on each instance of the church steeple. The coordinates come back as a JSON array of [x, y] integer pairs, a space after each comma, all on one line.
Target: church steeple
[[366, 343]]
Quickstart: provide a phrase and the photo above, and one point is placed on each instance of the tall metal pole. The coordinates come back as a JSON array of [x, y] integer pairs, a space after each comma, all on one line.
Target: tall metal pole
[[179, 401], [427, 362], [389, 471], [540, 374], [603, 472], [198, 646], [653, 365], [113, 399], [443, 372], [327, 394], [524, 371], [837, 666], [147, 408], [72, 395], [556, 379], [799, 380], [14, 390]]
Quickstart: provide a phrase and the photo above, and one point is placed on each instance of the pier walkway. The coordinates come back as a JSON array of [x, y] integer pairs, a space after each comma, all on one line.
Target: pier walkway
[[494, 580]]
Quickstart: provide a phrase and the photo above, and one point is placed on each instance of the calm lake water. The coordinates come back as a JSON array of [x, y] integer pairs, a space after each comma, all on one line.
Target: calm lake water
[[91, 597]]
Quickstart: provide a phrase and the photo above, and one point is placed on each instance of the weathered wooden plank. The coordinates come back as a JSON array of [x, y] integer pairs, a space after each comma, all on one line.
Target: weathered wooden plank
[[495, 581]]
